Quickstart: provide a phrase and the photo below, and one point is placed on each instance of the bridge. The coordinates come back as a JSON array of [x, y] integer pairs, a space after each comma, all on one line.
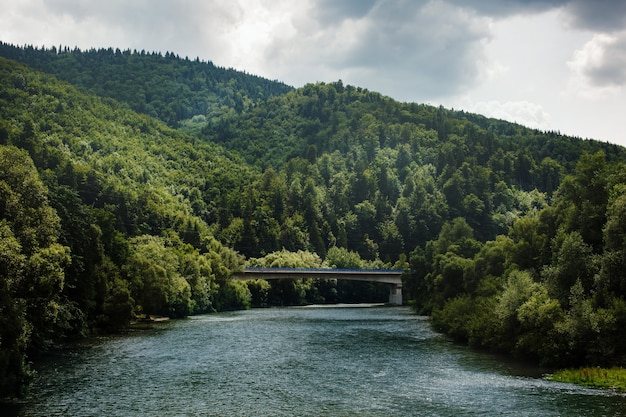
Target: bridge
[[386, 276]]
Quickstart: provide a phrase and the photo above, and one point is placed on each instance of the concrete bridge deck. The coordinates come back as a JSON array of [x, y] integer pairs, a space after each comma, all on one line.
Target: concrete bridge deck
[[393, 277]]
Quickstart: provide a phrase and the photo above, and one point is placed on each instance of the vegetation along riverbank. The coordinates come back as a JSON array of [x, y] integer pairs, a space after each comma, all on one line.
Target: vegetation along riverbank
[[608, 378]]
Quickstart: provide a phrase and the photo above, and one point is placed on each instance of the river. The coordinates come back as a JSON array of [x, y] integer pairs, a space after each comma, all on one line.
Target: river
[[310, 361]]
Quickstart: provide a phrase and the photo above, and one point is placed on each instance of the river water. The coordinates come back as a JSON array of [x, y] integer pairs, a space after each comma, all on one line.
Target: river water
[[313, 361]]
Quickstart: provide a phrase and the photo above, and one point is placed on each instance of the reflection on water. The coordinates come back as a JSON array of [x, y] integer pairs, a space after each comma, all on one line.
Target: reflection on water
[[298, 361]]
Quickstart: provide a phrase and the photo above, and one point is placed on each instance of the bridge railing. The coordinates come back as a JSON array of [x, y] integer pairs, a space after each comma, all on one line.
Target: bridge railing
[[284, 269]]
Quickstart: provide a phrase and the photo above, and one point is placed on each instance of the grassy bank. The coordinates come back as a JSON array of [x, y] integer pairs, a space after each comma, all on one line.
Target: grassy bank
[[613, 378]]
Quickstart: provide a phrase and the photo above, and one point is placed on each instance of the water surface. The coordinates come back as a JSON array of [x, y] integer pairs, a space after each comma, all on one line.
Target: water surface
[[298, 362]]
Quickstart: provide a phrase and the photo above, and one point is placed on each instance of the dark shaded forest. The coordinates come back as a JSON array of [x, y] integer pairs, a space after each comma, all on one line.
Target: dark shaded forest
[[135, 183]]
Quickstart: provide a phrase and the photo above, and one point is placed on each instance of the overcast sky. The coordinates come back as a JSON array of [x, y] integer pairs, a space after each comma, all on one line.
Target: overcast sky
[[550, 64]]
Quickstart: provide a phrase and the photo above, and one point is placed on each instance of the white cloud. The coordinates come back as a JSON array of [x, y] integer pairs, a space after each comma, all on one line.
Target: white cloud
[[599, 67], [523, 112]]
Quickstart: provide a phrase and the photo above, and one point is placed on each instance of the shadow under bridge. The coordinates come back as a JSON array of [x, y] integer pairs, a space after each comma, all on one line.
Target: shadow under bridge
[[393, 277]]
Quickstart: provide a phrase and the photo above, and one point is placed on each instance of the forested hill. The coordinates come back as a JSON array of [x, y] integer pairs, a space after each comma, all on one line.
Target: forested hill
[[102, 216], [324, 118], [166, 87], [514, 238]]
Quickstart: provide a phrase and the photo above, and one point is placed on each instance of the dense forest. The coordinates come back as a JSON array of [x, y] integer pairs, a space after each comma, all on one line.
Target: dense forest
[[166, 87], [135, 183]]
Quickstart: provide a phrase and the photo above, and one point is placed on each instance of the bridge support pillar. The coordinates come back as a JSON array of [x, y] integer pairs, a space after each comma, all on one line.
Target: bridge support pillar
[[395, 295]]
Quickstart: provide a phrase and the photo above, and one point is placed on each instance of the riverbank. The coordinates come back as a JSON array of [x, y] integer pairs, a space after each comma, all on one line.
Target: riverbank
[[613, 378]]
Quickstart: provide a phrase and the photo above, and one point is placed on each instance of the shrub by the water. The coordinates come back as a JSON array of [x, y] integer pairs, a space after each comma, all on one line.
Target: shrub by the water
[[613, 378]]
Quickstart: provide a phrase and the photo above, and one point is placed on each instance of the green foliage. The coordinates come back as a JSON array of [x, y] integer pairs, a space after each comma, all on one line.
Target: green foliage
[[32, 266], [554, 287], [156, 284], [468, 319], [14, 329], [260, 292], [573, 264], [531, 243], [609, 378], [287, 259], [176, 91], [539, 335], [117, 305], [343, 258], [235, 295]]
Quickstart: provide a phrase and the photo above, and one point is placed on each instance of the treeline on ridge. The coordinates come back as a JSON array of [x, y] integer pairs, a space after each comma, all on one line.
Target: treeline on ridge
[[512, 237], [180, 92]]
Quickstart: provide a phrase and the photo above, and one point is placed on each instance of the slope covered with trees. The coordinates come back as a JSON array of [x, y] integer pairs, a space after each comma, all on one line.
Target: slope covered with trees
[[512, 238], [174, 90], [552, 288], [358, 170], [101, 217]]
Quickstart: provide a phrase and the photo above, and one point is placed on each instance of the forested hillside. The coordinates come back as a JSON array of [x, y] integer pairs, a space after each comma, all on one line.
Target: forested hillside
[[174, 90], [513, 239], [101, 217]]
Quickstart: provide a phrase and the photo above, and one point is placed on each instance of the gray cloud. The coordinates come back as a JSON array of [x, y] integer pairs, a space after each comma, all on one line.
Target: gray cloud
[[428, 47], [598, 15], [501, 8], [437, 45], [333, 11]]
